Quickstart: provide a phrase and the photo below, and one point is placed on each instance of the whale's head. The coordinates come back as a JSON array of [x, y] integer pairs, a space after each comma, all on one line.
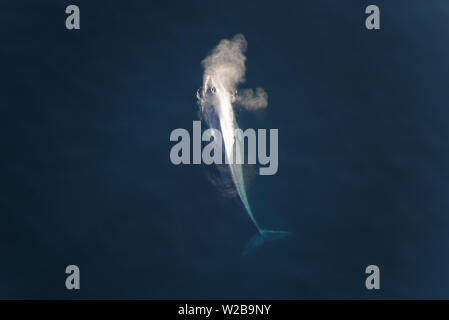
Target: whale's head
[[208, 95], [210, 88]]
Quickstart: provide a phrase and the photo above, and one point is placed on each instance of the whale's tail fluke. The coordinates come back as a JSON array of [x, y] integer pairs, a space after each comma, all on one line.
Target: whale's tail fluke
[[262, 237]]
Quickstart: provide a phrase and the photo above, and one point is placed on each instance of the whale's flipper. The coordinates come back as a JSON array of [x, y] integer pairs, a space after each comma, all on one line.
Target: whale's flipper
[[262, 237]]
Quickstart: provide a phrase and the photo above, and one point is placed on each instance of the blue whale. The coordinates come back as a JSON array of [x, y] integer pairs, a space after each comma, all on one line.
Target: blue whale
[[217, 113]]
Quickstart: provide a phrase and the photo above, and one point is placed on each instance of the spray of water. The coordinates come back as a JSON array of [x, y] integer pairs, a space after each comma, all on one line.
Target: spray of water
[[226, 66]]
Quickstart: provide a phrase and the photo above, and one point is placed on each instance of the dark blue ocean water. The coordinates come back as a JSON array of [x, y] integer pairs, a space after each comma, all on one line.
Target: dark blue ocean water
[[85, 175]]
